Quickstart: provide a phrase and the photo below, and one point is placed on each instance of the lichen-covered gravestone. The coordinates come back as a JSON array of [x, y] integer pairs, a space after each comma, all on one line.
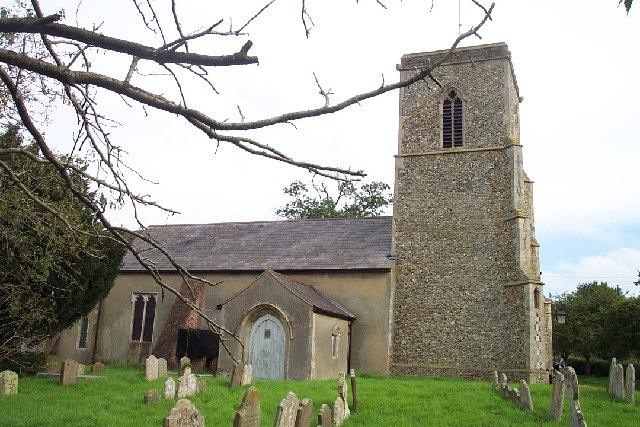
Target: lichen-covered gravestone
[[576, 417], [287, 411], [170, 388], [192, 385], [8, 383], [338, 412], [618, 386], [151, 368], [183, 387], [324, 416], [248, 414], [69, 372], [162, 367], [305, 413], [184, 363], [184, 414], [612, 375], [630, 384], [525, 396], [557, 396]]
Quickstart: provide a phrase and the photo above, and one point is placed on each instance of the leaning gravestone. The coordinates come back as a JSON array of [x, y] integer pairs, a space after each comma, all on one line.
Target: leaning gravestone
[[184, 414], [287, 411], [248, 414], [151, 368], [170, 388], [305, 413], [630, 384], [576, 417], [557, 396], [338, 412], [150, 397], [324, 416], [525, 396], [8, 383], [162, 367], [69, 372]]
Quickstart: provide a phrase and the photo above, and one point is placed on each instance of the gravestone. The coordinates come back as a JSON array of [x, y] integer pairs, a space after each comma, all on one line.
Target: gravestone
[[494, 380], [183, 387], [201, 387], [576, 417], [184, 362], [247, 375], [151, 396], [170, 388], [162, 367], [53, 365], [324, 416], [151, 368], [186, 371], [192, 385], [8, 383], [525, 396], [630, 384], [618, 386], [612, 374], [338, 412], [354, 391], [503, 379], [305, 413], [342, 386], [514, 395], [248, 415], [69, 372], [287, 411], [184, 414], [80, 369], [97, 367], [557, 396]]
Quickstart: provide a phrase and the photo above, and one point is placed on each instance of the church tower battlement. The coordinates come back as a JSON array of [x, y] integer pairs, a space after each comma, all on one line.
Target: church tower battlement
[[468, 298]]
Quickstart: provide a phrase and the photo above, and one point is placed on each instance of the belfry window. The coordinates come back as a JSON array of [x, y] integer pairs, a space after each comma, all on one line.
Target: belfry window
[[144, 313], [452, 120]]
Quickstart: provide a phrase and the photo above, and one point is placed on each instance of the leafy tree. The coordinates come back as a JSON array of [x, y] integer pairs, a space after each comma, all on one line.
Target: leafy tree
[[352, 200], [623, 329], [56, 262], [586, 329], [627, 4]]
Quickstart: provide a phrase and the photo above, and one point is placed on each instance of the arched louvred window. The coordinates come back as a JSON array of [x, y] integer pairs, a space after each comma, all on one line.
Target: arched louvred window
[[452, 120]]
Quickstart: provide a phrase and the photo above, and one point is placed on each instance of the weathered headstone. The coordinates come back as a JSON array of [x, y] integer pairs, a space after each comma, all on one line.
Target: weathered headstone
[[151, 396], [338, 412], [495, 382], [151, 368], [354, 391], [184, 414], [186, 371], [630, 384], [183, 387], [525, 396], [170, 388], [69, 372], [342, 386], [80, 369], [557, 396], [287, 411], [201, 387], [162, 367], [503, 379], [97, 367], [612, 374], [236, 375], [576, 417], [192, 385], [248, 414], [305, 413], [618, 386], [247, 375], [324, 416], [184, 363], [8, 383], [53, 365]]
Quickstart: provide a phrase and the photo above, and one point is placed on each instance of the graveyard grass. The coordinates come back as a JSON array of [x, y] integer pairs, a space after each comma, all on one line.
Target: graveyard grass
[[116, 400]]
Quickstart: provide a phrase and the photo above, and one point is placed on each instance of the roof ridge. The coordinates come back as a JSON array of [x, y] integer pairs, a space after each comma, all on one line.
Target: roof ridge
[[283, 221]]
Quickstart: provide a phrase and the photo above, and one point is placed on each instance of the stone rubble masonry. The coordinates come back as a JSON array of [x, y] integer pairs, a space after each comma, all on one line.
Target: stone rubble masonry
[[184, 414], [248, 415], [287, 411], [467, 266], [557, 396], [630, 384], [8, 383], [180, 317]]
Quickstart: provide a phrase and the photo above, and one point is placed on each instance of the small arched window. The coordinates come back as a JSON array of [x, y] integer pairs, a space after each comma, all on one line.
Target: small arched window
[[452, 120]]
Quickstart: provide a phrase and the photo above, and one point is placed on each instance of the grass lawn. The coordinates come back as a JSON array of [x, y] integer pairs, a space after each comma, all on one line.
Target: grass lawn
[[116, 400]]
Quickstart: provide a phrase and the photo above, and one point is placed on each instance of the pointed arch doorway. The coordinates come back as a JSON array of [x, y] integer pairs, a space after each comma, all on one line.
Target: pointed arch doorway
[[267, 348]]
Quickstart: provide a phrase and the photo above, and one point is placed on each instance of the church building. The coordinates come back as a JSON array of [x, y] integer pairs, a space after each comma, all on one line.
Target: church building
[[447, 286]]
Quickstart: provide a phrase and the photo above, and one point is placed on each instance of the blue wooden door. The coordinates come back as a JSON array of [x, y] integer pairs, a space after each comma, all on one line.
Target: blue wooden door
[[267, 348]]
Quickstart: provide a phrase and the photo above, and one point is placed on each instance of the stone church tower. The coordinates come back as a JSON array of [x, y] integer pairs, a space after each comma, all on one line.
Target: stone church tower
[[468, 298]]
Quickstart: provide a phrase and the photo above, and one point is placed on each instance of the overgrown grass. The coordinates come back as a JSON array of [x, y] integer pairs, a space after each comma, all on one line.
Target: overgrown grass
[[116, 400]]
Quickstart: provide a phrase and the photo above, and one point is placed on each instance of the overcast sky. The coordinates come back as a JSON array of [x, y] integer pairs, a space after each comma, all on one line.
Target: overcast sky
[[577, 67]]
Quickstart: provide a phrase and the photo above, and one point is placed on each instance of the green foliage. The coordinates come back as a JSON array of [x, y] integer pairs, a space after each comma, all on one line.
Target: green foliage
[[24, 363], [627, 4], [351, 201], [55, 262], [602, 322]]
